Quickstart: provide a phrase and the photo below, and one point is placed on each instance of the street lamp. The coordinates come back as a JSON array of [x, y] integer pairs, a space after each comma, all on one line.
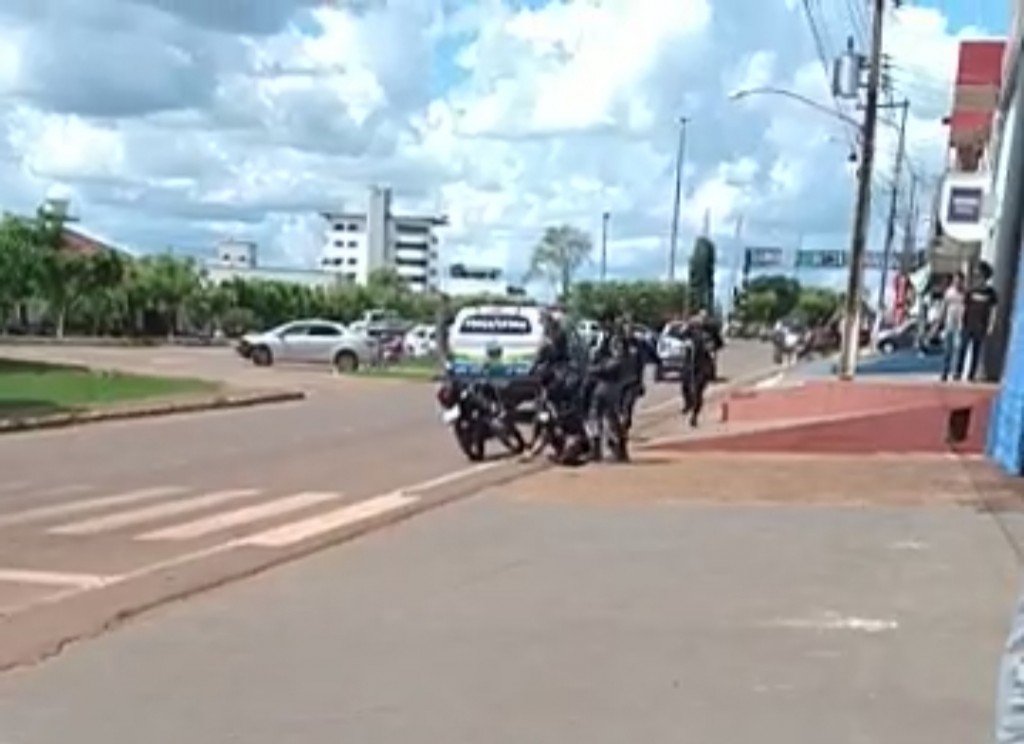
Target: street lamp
[[604, 245], [769, 90]]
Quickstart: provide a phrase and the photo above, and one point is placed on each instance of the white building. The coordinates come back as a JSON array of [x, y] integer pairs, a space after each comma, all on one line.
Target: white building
[[358, 243], [239, 259], [462, 280], [239, 254]]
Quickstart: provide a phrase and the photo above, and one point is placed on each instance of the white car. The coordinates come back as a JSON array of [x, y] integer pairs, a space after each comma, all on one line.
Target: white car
[[307, 342], [420, 341]]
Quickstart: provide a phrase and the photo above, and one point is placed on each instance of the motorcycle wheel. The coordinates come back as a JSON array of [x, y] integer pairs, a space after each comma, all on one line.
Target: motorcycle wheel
[[471, 442]]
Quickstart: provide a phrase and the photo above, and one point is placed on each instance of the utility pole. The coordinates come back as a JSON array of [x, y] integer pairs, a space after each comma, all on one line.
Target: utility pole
[[862, 211], [890, 228], [673, 246], [604, 245], [910, 229]]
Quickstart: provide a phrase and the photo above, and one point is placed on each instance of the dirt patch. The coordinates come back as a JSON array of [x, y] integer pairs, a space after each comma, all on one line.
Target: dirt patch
[[746, 479]]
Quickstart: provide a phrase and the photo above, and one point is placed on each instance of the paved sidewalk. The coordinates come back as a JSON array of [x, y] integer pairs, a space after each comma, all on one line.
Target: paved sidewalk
[[516, 617]]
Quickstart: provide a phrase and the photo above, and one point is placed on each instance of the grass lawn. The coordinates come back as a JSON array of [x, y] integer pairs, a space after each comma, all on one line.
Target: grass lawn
[[411, 369], [32, 388]]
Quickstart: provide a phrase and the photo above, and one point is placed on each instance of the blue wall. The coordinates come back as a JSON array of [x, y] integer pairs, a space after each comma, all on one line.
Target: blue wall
[[1006, 426]]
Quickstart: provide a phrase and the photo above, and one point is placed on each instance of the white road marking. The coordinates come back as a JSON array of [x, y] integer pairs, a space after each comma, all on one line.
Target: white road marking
[[444, 480], [226, 520], [835, 621], [147, 514], [50, 578], [771, 382], [297, 532], [103, 502]]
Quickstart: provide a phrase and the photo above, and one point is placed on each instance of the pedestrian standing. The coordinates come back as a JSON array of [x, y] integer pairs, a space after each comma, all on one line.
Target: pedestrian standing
[[979, 316], [951, 320]]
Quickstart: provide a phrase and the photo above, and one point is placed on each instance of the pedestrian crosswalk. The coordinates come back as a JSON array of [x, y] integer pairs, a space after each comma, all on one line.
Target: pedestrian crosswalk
[[245, 516]]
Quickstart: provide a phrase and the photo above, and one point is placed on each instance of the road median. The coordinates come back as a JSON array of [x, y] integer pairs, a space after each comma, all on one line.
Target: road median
[[150, 409]]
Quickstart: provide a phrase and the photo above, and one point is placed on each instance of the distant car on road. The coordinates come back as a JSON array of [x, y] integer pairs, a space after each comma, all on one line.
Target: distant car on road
[[420, 341], [307, 342], [905, 336]]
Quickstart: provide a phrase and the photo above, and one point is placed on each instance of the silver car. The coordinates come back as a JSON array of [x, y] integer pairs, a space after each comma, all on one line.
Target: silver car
[[307, 342]]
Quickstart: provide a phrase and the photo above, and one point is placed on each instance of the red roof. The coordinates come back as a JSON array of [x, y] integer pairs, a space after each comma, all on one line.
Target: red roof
[[981, 62], [76, 242]]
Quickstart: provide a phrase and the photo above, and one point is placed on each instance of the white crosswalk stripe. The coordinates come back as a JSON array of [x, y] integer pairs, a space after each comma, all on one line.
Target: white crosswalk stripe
[[118, 520], [183, 514], [227, 520], [43, 513], [296, 532]]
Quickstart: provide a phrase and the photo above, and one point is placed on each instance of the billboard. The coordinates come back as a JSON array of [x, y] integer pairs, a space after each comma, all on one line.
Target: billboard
[[763, 257], [875, 259], [829, 259]]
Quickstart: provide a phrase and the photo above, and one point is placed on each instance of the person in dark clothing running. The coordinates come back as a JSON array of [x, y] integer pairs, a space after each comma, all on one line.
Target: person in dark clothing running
[[978, 316], [639, 353], [608, 373], [698, 368]]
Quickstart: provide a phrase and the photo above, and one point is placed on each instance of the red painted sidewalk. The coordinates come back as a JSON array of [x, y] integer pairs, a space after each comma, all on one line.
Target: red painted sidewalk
[[834, 417]]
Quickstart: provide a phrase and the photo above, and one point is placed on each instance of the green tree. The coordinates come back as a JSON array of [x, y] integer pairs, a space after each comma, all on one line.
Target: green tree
[[558, 256], [786, 291], [166, 284], [19, 266], [817, 305], [702, 274], [760, 307], [648, 302]]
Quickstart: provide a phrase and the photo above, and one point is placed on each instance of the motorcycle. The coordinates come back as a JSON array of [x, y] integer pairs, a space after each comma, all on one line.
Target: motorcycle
[[477, 414]]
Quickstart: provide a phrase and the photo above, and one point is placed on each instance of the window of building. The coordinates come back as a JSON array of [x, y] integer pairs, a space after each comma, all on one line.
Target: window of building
[[352, 227], [352, 244], [352, 261]]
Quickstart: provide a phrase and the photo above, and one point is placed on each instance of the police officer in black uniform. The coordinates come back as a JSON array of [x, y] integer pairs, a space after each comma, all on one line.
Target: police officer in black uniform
[[698, 366], [561, 383], [639, 353], [607, 374]]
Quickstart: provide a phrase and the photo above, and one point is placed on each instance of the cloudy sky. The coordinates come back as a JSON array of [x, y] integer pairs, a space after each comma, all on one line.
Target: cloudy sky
[[172, 123]]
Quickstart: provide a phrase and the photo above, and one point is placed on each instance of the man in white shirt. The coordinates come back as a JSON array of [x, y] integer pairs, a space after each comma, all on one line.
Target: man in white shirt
[[951, 320]]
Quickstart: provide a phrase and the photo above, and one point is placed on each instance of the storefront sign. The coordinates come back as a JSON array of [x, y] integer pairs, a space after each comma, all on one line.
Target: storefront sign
[[964, 205]]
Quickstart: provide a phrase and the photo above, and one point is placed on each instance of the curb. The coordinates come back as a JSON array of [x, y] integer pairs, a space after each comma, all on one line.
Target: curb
[[167, 408]]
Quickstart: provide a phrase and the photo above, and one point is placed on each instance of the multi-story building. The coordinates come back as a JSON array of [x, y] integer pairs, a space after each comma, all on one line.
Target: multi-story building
[[238, 254], [963, 205], [358, 243]]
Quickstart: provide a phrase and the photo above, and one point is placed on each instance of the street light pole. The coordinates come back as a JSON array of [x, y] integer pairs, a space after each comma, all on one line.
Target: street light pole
[[604, 245], [862, 211], [890, 228], [673, 245]]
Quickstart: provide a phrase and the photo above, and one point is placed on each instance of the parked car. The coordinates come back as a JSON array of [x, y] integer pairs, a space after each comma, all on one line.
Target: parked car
[[670, 350], [906, 336], [307, 342], [420, 341]]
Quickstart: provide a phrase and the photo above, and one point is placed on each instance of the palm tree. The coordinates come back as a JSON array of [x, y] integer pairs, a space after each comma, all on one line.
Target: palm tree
[[558, 256]]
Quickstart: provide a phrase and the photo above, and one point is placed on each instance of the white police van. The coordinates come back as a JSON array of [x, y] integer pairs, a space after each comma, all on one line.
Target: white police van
[[495, 341]]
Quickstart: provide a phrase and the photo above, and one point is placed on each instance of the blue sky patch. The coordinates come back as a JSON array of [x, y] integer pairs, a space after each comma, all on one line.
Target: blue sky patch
[[991, 15]]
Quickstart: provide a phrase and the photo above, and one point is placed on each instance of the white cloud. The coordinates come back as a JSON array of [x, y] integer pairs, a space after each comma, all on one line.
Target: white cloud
[[177, 124]]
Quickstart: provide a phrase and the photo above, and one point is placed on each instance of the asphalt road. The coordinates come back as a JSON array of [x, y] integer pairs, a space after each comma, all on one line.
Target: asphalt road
[[107, 519]]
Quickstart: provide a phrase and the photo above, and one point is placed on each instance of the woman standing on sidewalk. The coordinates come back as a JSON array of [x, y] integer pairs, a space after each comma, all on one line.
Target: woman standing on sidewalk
[[951, 320]]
